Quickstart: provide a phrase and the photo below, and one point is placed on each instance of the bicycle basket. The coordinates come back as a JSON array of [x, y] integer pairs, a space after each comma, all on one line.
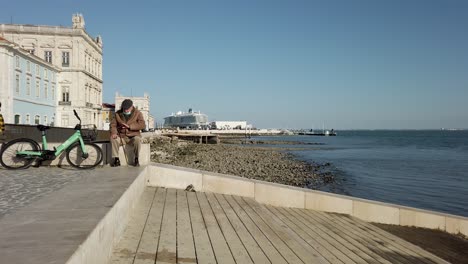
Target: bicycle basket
[[89, 134]]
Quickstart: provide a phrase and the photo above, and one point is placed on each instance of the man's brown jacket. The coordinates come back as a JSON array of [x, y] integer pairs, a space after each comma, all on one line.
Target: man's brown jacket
[[135, 122]]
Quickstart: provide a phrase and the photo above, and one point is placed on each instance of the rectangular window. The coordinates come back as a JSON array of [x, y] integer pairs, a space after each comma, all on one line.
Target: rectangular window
[[48, 56], [53, 92], [37, 120], [65, 121], [65, 94], [65, 59], [46, 91], [17, 119], [46, 74], [28, 87], [17, 61], [28, 122], [45, 120], [38, 70], [28, 66], [17, 83], [86, 62], [38, 88]]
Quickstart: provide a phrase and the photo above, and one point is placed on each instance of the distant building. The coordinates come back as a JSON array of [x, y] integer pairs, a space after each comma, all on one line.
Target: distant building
[[140, 103], [27, 86], [107, 112], [229, 125], [189, 120], [77, 55]]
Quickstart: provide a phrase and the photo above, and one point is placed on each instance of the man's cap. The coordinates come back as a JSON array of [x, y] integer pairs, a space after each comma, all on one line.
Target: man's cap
[[126, 104]]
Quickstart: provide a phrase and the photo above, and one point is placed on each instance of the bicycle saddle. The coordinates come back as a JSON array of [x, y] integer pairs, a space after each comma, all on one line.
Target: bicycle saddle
[[42, 127]]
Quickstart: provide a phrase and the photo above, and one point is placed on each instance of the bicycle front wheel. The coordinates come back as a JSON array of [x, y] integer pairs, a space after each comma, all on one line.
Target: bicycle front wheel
[[81, 160], [9, 157]]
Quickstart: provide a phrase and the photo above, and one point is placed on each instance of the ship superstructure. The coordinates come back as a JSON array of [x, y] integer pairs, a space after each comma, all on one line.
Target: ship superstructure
[[187, 120]]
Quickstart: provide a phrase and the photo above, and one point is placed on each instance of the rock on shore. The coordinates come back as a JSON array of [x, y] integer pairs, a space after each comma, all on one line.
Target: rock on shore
[[266, 164]]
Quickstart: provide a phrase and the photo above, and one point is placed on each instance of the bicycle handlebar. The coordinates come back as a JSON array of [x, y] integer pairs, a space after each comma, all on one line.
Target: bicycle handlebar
[[76, 114]]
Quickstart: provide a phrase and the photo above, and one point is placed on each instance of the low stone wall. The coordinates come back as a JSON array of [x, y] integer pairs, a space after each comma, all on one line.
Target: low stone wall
[[169, 176], [97, 247]]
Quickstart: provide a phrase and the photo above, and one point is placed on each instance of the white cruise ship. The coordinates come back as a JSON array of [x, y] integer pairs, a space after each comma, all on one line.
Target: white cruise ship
[[187, 120]]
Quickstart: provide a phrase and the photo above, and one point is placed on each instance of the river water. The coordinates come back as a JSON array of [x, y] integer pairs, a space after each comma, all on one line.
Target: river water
[[425, 169]]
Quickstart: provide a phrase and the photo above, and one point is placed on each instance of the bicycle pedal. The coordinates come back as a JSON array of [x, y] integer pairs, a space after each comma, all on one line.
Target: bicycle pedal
[[48, 155]]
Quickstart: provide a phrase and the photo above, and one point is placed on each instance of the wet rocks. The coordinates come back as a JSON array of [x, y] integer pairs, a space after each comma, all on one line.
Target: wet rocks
[[251, 162]]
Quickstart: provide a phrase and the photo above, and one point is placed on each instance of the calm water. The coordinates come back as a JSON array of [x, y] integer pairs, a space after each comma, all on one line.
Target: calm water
[[424, 169]]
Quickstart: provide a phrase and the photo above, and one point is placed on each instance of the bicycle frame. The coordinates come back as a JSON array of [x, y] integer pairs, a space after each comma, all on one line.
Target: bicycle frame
[[76, 137], [58, 150]]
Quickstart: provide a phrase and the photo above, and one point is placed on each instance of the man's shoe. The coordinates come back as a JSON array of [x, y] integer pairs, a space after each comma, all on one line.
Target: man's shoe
[[116, 162], [137, 163]]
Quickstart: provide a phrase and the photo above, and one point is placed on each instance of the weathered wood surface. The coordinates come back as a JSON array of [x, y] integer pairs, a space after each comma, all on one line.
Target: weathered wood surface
[[174, 226]]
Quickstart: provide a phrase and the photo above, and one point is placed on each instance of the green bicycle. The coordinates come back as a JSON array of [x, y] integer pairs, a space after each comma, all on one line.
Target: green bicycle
[[20, 153]]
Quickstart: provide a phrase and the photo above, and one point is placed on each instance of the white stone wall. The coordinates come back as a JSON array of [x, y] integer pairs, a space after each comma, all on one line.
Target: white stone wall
[[83, 75]]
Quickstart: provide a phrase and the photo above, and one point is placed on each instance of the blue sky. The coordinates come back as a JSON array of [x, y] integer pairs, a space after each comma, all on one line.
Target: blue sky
[[284, 64]]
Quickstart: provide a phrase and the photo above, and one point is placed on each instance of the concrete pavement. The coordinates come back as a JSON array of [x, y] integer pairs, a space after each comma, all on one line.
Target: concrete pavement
[[47, 213]]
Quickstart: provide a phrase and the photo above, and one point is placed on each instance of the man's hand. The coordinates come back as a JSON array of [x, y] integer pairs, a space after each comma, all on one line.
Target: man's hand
[[114, 136], [124, 126]]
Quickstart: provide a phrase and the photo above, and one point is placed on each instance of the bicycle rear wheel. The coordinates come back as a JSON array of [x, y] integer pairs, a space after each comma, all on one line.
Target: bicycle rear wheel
[[77, 159], [8, 154]]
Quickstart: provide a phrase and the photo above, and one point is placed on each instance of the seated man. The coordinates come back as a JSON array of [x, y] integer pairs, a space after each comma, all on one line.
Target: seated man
[[125, 129]]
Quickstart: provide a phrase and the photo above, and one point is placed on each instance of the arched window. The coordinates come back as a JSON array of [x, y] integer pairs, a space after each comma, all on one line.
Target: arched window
[[28, 121], [37, 119]]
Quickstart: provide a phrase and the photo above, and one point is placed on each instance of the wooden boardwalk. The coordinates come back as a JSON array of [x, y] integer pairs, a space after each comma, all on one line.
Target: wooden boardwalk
[[174, 226]]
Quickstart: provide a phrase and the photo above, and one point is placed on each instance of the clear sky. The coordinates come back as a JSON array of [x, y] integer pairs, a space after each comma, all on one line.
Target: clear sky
[[278, 63]]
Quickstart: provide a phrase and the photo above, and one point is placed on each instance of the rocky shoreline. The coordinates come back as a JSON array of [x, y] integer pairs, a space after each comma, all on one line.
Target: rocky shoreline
[[270, 164]]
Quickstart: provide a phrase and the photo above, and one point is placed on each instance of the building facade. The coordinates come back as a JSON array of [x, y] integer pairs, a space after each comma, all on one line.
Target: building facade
[[140, 103], [108, 112], [77, 55], [229, 125], [28, 86]]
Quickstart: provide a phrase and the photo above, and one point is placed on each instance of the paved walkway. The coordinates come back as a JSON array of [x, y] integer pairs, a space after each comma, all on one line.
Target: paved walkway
[[48, 212], [19, 188], [174, 226]]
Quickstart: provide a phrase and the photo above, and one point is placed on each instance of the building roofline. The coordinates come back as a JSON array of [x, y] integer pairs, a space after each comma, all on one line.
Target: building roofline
[[50, 30], [13, 46]]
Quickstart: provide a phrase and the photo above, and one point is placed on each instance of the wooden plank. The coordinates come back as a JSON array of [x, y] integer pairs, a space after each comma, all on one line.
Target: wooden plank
[[344, 237], [203, 248], [411, 251], [146, 253], [311, 240], [235, 244], [218, 241], [282, 247], [126, 248], [373, 244], [254, 250], [330, 237], [311, 230], [306, 253], [185, 243], [167, 247], [268, 248]]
